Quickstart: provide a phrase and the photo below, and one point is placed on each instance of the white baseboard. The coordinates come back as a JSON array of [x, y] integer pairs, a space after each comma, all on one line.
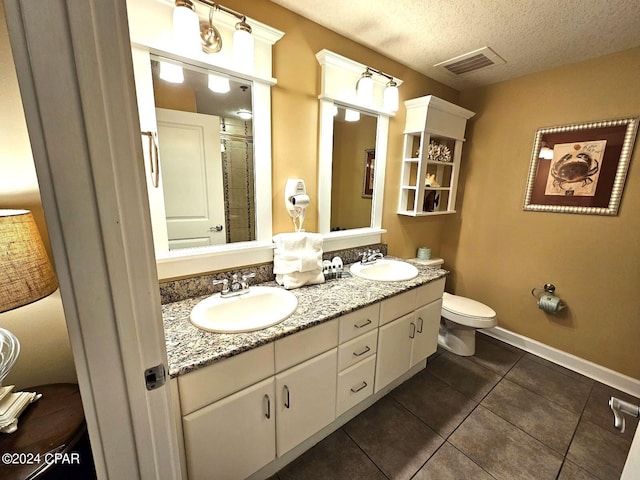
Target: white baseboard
[[585, 367]]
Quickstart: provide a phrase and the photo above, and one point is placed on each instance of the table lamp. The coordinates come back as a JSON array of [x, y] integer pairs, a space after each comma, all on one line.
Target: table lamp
[[26, 275]]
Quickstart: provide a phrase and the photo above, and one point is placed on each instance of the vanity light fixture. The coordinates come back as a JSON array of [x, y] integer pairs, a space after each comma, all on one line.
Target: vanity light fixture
[[170, 72], [186, 25], [218, 84], [245, 114], [351, 115], [364, 90]]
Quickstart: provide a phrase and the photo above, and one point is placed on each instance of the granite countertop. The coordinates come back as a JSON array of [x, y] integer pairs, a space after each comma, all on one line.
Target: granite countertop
[[189, 347]]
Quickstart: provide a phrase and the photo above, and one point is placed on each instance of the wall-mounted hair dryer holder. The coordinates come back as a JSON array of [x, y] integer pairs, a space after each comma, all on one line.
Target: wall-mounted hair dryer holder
[[296, 201]]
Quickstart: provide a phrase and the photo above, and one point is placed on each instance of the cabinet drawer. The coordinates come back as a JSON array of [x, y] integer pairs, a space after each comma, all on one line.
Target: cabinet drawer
[[357, 349], [396, 307], [359, 322], [429, 293], [208, 384], [355, 384], [302, 346]]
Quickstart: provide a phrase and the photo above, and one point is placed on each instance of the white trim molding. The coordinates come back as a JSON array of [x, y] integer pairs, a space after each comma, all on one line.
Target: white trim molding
[[580, 365]]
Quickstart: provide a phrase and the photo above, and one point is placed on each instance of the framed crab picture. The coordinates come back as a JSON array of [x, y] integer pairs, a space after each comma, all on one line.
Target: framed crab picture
[[580, 168]]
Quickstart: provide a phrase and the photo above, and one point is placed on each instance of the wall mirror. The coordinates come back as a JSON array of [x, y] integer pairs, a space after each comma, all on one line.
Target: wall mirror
[[205, 143], [352, 155], [242, 234], [352, 168]]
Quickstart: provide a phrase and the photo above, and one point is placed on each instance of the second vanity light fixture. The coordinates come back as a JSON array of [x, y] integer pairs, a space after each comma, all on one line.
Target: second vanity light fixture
[[364, 89], [191, 34]]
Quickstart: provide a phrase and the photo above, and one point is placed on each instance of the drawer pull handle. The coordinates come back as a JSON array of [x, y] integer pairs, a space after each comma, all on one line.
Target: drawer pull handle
[[287, 400], [420, 325], [360, 387], [268, 413], [413, 330], [365, 350], [368, 322]]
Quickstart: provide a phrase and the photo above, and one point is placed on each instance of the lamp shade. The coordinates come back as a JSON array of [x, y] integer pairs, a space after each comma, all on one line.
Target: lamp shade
[[390, 99], [26, 275], [186, 27], [243, 48]]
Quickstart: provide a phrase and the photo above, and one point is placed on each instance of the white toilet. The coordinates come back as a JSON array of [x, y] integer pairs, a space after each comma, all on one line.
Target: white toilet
[[460, 318]]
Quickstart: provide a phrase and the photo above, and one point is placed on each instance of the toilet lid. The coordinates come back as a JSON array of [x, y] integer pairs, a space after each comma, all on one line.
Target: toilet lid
[[466, 307]]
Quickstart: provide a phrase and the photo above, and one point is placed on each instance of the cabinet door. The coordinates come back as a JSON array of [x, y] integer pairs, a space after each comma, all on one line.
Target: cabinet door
[[305, 399], [233, 437], [394, 350], [427, 326]]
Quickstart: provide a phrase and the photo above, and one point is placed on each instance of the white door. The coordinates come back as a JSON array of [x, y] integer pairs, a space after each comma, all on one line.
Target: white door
[[191, 168], [305, 399], [233, 437]]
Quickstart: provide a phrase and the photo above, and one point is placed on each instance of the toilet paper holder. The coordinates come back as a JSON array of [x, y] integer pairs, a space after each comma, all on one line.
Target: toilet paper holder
[[547, 301]]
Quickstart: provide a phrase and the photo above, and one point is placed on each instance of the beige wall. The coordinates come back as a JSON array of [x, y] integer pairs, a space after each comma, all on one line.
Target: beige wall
[[498, 252]]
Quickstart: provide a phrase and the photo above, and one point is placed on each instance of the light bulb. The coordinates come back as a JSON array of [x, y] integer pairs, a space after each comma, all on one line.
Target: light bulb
[[364, 87], [218, 84], [170, 72], [243, 47], [245, 114], [351, 115], [186, 27], [390, 99]]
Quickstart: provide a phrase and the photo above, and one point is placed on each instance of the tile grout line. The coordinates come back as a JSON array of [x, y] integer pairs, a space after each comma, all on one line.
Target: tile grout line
[[363, 451]]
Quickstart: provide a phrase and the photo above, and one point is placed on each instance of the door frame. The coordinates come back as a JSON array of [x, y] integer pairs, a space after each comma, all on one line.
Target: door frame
[[74, 67]]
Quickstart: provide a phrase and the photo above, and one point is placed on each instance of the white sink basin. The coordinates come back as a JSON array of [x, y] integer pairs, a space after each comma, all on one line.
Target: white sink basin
[[262, 307], [385, 270]]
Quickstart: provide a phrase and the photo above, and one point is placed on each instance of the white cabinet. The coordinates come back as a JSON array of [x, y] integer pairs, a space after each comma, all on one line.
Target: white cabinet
[[425, 341], [433, 138], [305, 400], [409, 339], [233, 437], [394, 350]]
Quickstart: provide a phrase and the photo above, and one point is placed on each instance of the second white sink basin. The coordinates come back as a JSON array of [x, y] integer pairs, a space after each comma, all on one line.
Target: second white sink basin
[[385, 270], [262, 307]]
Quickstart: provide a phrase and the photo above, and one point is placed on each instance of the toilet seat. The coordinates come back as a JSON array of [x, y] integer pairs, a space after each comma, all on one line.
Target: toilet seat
[[467, 312]]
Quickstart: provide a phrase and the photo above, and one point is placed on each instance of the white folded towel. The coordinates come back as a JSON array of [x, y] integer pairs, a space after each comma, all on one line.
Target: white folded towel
[[296, 280], [296, 241], [297, 262]]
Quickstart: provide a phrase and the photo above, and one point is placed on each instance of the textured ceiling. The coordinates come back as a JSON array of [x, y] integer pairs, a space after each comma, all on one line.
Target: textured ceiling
[[530, 36]]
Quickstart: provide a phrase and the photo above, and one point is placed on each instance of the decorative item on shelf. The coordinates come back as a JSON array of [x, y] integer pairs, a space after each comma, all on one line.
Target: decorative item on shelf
[[439, 152], [26, 275], [431, 181]]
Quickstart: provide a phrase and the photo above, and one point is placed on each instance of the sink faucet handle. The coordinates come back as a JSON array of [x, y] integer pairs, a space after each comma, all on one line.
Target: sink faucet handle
[[248, 276], [225, 284]]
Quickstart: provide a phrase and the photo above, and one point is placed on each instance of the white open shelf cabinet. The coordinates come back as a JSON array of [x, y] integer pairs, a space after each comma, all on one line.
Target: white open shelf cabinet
[[431, 119]]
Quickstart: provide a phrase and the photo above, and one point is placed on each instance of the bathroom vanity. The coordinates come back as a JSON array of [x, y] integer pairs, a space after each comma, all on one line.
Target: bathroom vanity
[[251, 402]]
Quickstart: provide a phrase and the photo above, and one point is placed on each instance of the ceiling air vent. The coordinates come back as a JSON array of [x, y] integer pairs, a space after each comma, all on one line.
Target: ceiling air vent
[[472, 61]]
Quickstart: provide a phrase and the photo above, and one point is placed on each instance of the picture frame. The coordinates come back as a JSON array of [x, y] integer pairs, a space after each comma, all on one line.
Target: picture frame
[[580, 168], [369, 172]]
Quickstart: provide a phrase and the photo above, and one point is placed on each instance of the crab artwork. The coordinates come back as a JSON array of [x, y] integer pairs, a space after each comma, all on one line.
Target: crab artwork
[[575, 168]]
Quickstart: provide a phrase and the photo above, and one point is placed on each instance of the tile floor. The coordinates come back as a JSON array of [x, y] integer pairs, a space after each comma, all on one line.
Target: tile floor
[[501, 414]]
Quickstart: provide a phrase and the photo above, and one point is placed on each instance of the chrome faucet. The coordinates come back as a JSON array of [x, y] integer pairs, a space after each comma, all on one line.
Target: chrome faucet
[[237, 287], [370, 256]]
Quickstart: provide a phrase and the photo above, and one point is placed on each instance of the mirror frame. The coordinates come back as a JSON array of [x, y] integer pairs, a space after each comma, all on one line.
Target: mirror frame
[[339, 77], [150, 25]]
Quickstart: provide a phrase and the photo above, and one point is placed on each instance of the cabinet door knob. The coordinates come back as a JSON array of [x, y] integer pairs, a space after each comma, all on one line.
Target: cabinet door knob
[[268, 412], [365, 350], [420, 324], [287, 400], [364, 324], [360, 387]]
